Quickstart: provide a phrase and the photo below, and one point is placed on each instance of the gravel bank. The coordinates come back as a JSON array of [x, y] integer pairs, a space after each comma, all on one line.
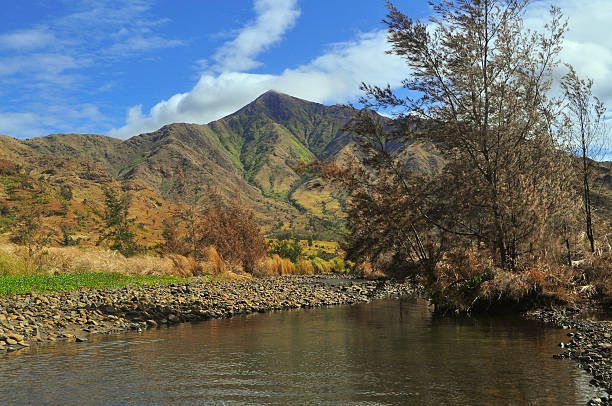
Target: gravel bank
[[589, 343], [32, 319]]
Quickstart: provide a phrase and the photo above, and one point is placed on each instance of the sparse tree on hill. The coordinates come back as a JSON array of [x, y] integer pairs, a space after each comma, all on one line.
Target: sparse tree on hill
[[30, 232], [118, 227]]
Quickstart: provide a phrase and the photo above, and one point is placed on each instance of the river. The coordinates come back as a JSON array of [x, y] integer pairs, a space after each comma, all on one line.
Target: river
[[384, 352]]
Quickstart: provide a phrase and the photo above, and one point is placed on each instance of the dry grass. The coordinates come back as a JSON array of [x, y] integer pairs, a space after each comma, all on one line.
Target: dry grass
[[368, 270], [597, 270], [469, 279], [275, 265], [306, 267], [60, 260], [540, 282], [74, 260], [14, 260]]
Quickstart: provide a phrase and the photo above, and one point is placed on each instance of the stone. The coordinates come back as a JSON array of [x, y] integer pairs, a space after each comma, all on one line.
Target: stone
[[15, 336]]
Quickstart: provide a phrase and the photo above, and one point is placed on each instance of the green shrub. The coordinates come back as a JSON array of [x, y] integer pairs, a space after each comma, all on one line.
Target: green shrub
[[289, 249]]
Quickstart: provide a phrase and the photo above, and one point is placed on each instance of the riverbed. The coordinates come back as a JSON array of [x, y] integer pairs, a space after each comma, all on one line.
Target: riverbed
[[383, 352]]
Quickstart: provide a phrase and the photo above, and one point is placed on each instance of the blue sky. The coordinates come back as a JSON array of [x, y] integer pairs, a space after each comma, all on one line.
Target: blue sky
[[123, 67]]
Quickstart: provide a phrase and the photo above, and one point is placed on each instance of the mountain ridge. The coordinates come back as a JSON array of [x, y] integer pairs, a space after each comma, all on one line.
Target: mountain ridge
[[252, 152]]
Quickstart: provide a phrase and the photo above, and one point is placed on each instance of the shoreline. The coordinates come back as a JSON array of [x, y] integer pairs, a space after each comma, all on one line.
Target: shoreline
[[588, 343], [34, 319]]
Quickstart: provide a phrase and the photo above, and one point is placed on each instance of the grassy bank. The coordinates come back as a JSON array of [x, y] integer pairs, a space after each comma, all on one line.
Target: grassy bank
[[39, 283], [73, 268]]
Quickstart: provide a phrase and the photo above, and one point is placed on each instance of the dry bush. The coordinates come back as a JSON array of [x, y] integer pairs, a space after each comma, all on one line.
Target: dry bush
[[541, 282], [212, 262], [597, 270], [8, 167], [458, 267], [468, 280], [184, 266], [274, 265], [305, 267], [367, 270]]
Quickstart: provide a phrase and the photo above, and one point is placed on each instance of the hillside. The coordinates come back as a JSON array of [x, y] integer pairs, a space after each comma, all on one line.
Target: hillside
[[252, 154]]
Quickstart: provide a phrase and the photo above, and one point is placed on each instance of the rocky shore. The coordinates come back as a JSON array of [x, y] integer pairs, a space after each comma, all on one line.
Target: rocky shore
[[589, 343], [32, 319]]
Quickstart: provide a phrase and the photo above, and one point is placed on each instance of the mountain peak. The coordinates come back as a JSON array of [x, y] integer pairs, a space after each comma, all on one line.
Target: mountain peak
[[273, 95]]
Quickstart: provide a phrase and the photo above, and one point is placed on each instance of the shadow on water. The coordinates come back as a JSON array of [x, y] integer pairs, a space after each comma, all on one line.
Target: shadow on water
[[385, 352]]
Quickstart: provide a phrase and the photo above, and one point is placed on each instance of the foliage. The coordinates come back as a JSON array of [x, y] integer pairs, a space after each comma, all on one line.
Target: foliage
[[30, 232], [290, 249], [231, 231], [68, 239], [118, 227], [235, 234]]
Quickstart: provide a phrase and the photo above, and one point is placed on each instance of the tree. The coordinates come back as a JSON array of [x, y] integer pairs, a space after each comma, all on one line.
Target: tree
[[587, 134], [478, 90], [118, 227], [30, 232], [287, 248], [233, 231]]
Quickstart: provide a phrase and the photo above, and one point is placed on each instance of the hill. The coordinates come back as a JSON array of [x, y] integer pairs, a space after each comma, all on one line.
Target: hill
[[252, 154]]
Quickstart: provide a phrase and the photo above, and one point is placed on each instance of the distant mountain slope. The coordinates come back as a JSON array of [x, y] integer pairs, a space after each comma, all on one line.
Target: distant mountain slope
[[252, 153]]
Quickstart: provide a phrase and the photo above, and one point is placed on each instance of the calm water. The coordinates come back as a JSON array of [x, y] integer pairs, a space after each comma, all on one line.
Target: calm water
[[390, 352]]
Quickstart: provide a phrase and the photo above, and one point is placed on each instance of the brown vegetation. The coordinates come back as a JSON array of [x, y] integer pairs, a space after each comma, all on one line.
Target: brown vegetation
[[498, 219]]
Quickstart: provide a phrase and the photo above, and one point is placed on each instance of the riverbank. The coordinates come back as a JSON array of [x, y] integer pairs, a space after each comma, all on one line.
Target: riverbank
[[589, 342], [33, 319]]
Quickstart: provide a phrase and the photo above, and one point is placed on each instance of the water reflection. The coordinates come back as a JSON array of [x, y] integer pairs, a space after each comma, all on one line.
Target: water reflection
[[389, 352]]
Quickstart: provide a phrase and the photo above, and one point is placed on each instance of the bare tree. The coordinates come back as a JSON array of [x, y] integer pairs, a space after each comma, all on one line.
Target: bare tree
[[587, 135]]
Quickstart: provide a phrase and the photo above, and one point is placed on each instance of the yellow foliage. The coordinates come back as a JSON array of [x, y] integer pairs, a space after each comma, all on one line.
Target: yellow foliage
[[275, 265], [305, 268]]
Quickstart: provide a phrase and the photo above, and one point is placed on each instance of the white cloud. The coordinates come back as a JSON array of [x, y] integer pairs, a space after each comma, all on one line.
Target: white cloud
[[34, 38], [41, 65], [28, 124], [332, 77], [587, 45], [48, 71], [335, 75], [142, 43], [20, 124], [274, 18]]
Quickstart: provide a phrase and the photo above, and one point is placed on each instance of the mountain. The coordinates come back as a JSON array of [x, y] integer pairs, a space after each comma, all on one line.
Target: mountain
[[252, 153]]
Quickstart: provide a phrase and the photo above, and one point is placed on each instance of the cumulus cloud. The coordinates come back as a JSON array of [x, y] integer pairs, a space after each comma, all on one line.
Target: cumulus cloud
[[332, 77], [274, 18]]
